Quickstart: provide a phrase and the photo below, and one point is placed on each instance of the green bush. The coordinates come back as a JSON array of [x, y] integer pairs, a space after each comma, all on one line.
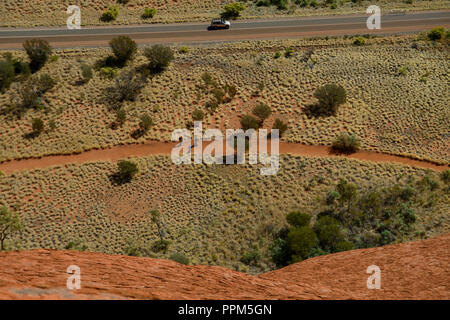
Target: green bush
[[359, 41], [86, 73], [198, 115], [123, 48], [145, 123], [330, 97], [346, 143], [46, 82], [298, 219], [7, 75], [262, 111], [180, 258], [109, 72], [161, 245], [249, 122], [300, 241], [110, 14], [232, 10], [127, 170], [38, 51], [280, 125], [328, 233], [148, 13], [127, 87], [37, 125], [159, 57], [436, 34], [250, 257], [445, 176]]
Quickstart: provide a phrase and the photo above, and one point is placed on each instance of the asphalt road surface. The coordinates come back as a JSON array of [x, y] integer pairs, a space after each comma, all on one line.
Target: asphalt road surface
[[240, 30]]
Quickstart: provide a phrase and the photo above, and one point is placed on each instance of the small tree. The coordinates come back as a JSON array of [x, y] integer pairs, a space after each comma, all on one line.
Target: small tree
[[9, 224], [300, 241], [123, 48], [346, 143], [127, 87], [159, 57], [127, 170], [38, 51], [46, 82], [249, 122], [232, 10], [328, 233], [348, 192], [121, 117], [262, 111], [330, 97]]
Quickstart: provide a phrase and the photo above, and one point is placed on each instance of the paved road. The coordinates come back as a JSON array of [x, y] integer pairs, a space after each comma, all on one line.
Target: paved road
[[240, 30]]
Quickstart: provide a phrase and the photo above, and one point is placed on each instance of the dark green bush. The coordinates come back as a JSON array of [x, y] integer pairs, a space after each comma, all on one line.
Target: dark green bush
[[298, 219], [148, 13], [280, 125], [46, 82], [300, 241], [86, 73], [328, 233], [110, 14], [251, 257], [330, 97], [232, 10], [123, 48], [249, 122], [37, 125], [127, 170], [198, 115], [38, 51], [262, 111], [7, 75], [436, 34]]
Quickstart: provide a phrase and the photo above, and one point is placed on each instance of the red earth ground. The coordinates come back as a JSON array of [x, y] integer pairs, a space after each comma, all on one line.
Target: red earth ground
[[413, 270]]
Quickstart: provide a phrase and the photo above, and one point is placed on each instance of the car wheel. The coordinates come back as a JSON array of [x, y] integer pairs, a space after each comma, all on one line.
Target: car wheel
[[227, 27]]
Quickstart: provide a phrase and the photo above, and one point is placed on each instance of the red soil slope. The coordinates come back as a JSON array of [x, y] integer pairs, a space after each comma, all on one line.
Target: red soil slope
[[414, 270]]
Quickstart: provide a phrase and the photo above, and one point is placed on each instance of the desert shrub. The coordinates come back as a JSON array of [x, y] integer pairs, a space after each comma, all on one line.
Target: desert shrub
[[330, 97], [46, 82], [280, 4], [359, 41], [249, 122], [445, 176], [280, 125], [251, 257], [346, 143], [127, 170], [108, 72], [436, 34], [183, 50], [279, 252], [288, 52], [347, 191], [298, 219], [232, 10], [277, 55], [37, 125], [38, 51], [263, 3], [86, 73], [21, 68], [123, 1], [145, 123], [198, 115], [7, 74], [218, 94], [29, 95], [123, 48], [231, 90], [9, 224], [127, 86], [148, 13], [208, 79], [262, 111], [300, 241], [328, 233], [159, 57], [428, 182], [121, 117], [110, 14], [134, 249], [180, 258], [332, 196], [211, 105]]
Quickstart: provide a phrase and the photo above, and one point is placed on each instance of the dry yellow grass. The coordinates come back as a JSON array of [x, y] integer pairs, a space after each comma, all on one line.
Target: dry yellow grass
[[32, 13], [393, 113], [213, 213]]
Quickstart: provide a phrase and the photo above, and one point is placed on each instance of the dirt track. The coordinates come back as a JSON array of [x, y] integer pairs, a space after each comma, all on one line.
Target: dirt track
[[158, 148], [414, 270]]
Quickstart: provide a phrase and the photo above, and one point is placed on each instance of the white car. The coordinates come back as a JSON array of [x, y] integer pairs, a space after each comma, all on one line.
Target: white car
[[219, 24]]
